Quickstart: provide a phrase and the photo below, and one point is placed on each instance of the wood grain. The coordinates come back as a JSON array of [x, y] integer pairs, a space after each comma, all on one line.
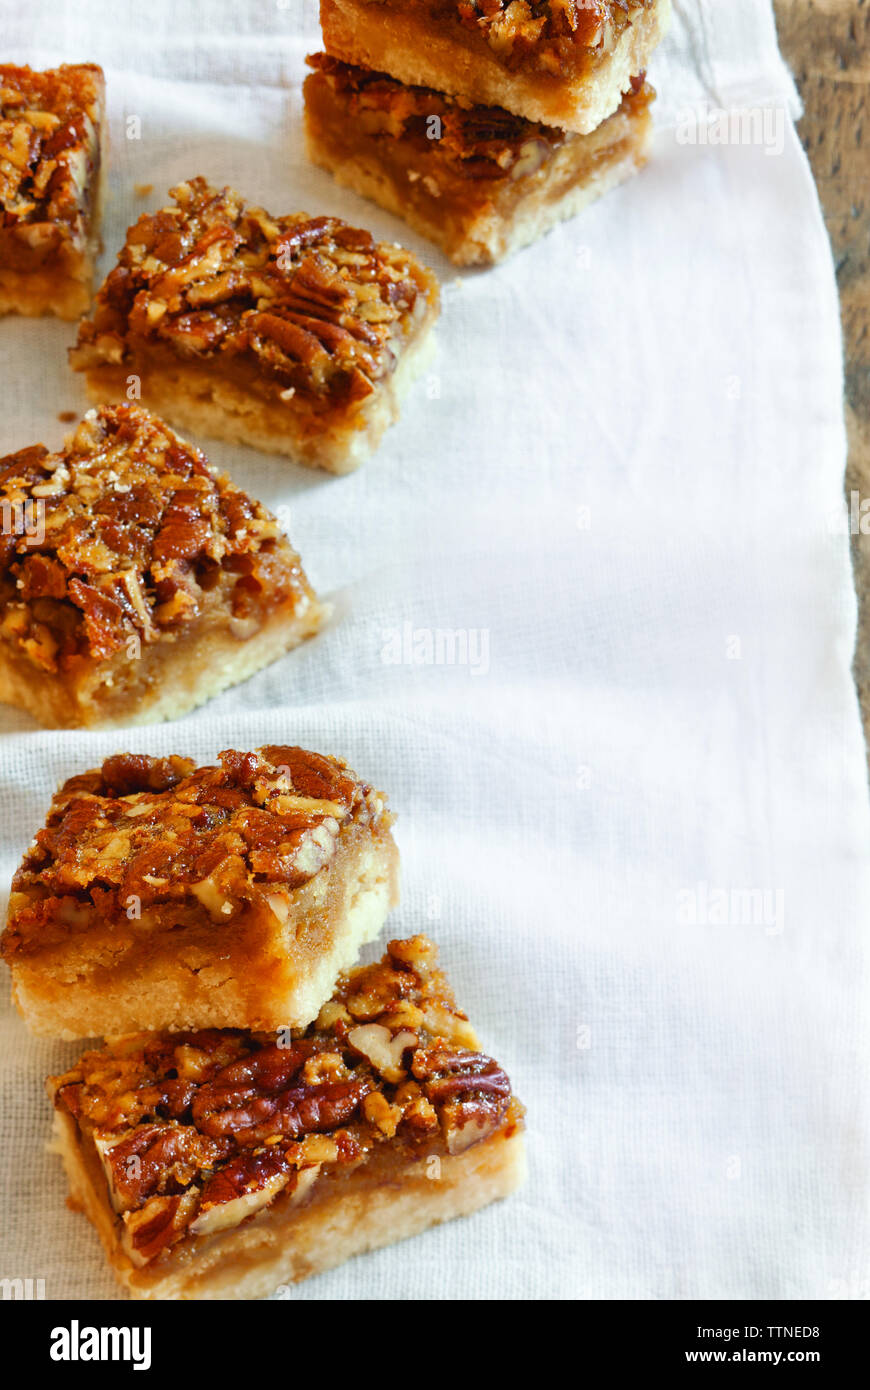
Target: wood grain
[[827, 45]]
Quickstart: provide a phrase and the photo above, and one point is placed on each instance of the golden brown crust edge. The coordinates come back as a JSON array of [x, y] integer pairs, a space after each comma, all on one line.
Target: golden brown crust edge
[[214, 408]]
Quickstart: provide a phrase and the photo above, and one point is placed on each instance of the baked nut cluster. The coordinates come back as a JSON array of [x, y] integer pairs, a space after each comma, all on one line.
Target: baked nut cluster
[[163, 829], [302, 319], [311, 303], [50, 170], [124, 558], [198, 1131], [555, 35]]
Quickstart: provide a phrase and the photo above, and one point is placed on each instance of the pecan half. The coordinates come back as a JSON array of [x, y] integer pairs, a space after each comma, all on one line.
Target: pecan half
[[256, 1099], [470, 1092], [153, 1158], [157, 1226]]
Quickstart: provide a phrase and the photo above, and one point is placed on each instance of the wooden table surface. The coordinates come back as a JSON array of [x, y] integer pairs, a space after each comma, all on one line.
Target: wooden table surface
[[827, 45]]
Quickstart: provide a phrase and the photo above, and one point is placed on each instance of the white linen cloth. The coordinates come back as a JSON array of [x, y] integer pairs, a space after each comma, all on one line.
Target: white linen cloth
[[621, 479]]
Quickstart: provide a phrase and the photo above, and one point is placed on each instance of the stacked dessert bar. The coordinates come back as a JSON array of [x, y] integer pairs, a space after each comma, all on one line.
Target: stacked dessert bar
[[482, 122], [263, 1108]]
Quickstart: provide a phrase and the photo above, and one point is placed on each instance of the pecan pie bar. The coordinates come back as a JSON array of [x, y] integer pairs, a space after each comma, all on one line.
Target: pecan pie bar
[[160, 894], [563, 62], [296, 334], [222, 1164], [51, 125], [134, 582], [476, 180]]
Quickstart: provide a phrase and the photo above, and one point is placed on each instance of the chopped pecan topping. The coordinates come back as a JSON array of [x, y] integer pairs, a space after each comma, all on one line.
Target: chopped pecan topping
[[49, 153], [383, 1048], [121, 536], [175, 839], [309, 304], [514, 28], [198, 1131]]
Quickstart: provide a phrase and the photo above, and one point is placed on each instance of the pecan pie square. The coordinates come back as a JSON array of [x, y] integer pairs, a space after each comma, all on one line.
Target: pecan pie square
[[298, 335], [51, 127], [477, 180], [159, 894], [136, 583], [221, 1164], [565, 63]]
